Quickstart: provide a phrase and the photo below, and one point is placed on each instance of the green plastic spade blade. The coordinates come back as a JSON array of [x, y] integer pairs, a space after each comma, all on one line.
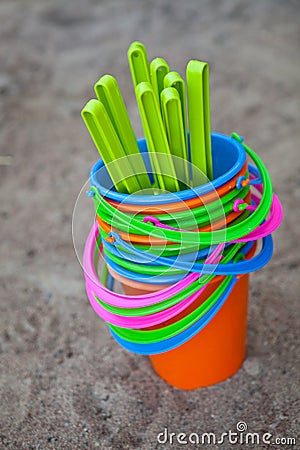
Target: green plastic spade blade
[[156, 136], [109, 147], [108, 92], [175, 80], [138, 63], [172, 115], [199, 117], [158, 70]]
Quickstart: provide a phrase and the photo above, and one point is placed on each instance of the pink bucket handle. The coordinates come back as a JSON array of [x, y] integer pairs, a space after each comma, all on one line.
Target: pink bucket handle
[[266, 228], [152, 319], [141, 321], [270, 224], [133, 301]]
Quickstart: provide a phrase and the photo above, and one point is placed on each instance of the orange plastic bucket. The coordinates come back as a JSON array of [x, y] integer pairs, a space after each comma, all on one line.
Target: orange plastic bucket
[[217, 351]]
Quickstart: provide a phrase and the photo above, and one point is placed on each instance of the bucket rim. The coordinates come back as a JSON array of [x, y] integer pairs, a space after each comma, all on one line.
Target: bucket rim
[[174, 196]]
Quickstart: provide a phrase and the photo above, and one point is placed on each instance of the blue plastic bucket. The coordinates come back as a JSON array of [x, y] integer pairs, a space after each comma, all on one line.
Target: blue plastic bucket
[[228, 157]]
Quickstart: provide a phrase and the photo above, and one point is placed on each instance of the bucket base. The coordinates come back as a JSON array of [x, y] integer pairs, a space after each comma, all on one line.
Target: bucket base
[[216, 352]]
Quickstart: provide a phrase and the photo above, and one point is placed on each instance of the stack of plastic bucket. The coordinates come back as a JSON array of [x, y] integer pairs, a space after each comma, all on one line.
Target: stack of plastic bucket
[[183, 260]]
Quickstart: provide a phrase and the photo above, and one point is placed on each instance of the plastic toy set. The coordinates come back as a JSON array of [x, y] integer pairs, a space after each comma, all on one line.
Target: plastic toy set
[[183, 258]]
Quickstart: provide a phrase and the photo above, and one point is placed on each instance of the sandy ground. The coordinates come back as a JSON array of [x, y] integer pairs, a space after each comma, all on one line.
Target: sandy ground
[[65, 384]]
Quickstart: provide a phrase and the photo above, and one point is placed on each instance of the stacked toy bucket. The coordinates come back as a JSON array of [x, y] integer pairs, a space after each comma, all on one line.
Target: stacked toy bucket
[[183, 260]]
